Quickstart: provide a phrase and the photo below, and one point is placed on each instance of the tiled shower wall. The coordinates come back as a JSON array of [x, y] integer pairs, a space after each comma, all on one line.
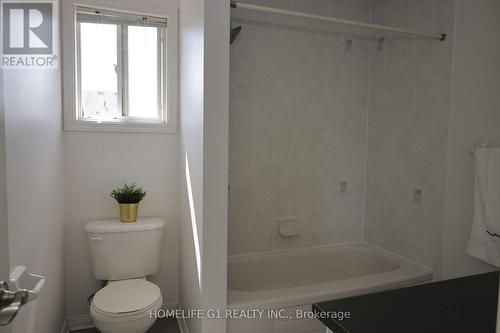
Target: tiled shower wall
[[408, 132], [302, 110], [298, 109]]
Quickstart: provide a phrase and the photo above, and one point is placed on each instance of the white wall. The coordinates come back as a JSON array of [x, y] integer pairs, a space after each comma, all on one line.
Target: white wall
[[475, 116], [97, 162], [204, 91], [4, 234], [215, 166], [191, 154], [35, 199]]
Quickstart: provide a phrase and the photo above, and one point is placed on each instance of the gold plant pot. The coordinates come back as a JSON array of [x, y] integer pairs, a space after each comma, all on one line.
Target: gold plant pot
[[128, 212]]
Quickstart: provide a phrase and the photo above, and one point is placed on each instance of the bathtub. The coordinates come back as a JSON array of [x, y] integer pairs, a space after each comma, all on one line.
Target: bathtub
[[292, 280]]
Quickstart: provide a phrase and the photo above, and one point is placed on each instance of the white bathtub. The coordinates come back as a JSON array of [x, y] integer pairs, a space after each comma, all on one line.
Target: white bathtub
[[295, 279]]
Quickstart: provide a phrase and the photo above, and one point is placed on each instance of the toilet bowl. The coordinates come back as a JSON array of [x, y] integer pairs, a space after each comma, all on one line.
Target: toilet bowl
[[126, 306], [124, 254]]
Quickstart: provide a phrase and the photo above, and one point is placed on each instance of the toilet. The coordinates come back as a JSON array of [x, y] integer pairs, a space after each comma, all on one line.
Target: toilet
[[124, 254]]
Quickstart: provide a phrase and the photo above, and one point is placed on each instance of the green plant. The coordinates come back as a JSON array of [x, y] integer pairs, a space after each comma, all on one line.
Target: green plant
[[128, 194]]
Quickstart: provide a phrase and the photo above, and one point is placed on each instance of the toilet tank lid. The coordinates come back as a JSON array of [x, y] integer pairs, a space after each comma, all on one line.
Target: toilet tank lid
[[114, 225]]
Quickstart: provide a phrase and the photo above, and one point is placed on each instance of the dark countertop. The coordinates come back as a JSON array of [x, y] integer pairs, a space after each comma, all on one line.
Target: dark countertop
[[463, 305]]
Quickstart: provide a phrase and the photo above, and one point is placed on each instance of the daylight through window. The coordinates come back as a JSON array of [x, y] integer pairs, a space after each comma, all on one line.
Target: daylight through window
[[121, 67]]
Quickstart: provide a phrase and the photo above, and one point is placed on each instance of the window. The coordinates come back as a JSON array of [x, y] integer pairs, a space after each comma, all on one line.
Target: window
[[120, 72]]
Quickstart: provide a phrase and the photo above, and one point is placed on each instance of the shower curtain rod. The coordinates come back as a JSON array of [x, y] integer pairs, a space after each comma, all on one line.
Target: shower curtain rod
[[437, 36]]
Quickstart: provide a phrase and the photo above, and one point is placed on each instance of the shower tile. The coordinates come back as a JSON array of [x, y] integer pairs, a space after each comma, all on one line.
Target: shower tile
[[311, 235], [425, 14], [408, 124], [262, 240], [296, 242], [298, 125], [446, 13]]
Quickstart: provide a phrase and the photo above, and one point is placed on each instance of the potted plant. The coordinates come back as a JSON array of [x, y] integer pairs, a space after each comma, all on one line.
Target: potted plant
[[128, 196]]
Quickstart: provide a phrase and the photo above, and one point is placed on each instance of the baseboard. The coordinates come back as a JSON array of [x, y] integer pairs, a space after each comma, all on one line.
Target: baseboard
[[170, 306], [182, 325], [80, 322], [65, 328], [180, 321]]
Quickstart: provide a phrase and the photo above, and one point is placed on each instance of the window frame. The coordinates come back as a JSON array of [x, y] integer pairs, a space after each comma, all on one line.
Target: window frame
[[167, 85]]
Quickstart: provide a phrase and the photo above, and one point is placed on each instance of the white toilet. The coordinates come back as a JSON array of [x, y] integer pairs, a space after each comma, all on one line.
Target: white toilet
[[124, 254]]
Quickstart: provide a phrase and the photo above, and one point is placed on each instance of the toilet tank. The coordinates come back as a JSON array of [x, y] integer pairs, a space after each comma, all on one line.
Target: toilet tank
[[120, 251]]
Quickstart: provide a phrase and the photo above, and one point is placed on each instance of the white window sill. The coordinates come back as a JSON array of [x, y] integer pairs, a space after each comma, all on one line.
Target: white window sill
[[127, 126]]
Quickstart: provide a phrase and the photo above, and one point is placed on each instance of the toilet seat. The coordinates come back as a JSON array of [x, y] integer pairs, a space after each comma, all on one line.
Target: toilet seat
[[126, 298], [135, 321]]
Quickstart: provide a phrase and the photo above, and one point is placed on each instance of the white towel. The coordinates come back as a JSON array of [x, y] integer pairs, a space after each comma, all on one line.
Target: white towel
[[483, 242]]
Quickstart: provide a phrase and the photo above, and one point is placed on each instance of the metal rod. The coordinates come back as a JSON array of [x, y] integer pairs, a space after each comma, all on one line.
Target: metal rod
[[236, 4]]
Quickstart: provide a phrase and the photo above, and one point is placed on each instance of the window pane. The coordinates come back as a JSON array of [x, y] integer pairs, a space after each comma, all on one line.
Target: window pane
[[143, 71], [98, 71]]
